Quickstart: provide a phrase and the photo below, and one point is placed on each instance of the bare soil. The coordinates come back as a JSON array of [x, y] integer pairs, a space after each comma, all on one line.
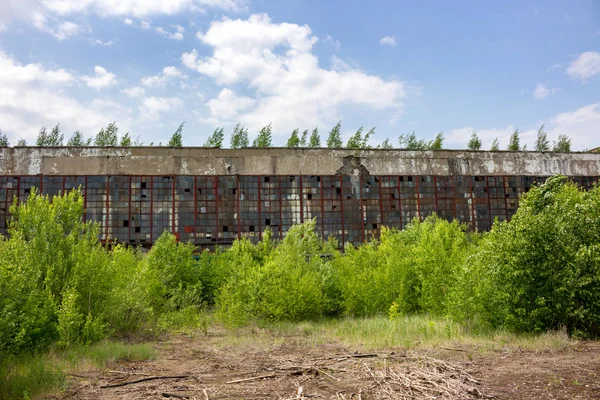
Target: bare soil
[[293, 368]]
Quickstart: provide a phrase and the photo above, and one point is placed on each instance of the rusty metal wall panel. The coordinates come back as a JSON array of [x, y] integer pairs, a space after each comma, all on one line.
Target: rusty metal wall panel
[[216, 210]]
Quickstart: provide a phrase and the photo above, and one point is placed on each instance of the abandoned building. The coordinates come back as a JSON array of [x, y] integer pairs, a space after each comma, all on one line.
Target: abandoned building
[[214, 196]]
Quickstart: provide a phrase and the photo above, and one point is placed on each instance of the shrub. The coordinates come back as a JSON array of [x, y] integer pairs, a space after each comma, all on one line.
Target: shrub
[[290, 284], [541, 270]]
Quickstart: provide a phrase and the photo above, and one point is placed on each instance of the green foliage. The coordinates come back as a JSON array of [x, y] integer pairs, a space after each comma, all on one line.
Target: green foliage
[[172, 275], [315, 138], [216, 138], [22, 142], [239, 137], [264, 137], [107, 136], [54, 138], [126, 140], [334, 140], [541, 270], [358, 141], [3, 139], [563, 145], [304, 138], [410, 142], [386, 144], [414, 268], [437, 143], [294, 140], [177, 138], [495, 145], [291, 283], [474, 142], [541, 142], [514, 143], [77, 140]]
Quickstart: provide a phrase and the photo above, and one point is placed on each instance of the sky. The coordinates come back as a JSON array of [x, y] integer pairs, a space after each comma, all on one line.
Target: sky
[[399, 66]]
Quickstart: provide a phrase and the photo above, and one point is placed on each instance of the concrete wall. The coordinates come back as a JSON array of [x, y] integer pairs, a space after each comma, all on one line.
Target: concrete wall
[[282, 161]]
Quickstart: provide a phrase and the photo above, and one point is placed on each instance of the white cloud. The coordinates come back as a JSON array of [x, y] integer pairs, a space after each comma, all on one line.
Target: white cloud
[[101, 43], [134, 92], [177, 35], [541, 91], [101, 79], [10, 71], [580, 125], [388, 40], [332, 42], [585, 66], [275, 62], [337, 64], [60, 30], [161, 79], [145, 25], [139, 8], [33, 96], [226, 106], [152, 106], [128, 21]]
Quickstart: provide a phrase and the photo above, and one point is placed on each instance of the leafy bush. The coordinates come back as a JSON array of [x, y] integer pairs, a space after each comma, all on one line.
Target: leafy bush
[[541, 270], [290, 284], [414, 268]]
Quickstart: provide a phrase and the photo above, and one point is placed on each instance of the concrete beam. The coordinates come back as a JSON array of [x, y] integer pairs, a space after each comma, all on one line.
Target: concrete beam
[[283, 161]]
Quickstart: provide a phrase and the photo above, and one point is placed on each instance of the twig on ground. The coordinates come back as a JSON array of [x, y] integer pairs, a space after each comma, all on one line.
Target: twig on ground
[[254, 378], [150, 378]]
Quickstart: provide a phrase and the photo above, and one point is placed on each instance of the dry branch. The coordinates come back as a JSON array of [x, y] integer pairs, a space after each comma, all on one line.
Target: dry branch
[[150, 378]]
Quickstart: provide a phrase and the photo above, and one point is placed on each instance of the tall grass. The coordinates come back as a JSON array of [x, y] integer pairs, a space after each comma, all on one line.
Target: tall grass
[[26, 376]]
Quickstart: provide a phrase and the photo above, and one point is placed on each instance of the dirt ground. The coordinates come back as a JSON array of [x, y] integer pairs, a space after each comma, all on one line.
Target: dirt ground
[[206, 367]]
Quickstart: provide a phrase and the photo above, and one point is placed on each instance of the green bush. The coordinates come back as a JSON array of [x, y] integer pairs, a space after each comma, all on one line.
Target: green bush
[[415, 268], [541, 270], [289, 284]]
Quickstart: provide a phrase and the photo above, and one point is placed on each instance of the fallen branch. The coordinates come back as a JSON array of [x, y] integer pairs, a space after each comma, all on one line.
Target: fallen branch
[[175, 396], [150, 378], [254, 378]]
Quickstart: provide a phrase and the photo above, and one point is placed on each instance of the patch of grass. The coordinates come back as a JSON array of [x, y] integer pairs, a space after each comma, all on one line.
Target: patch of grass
[[27, 376], [414, 331]]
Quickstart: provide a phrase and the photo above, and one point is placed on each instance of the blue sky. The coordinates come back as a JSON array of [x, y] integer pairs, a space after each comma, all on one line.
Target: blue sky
[[399, 66]]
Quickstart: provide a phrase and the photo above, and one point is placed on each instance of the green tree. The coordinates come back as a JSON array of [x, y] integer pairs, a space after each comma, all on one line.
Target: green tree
[[54, 138], [437, 143], [541, 142], [3, 139], [216, 139], [42, 137], [358, 141], [21, 142], [239, 137], [386, 144], [107, 136], [77, 140], [126, 140], [495, 145], [334, 140], [294, 140], [410, 142], [474, 142], [264, 137], [563, 145], [315, 138], [177, 138], [514, 143], [304, 138]]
